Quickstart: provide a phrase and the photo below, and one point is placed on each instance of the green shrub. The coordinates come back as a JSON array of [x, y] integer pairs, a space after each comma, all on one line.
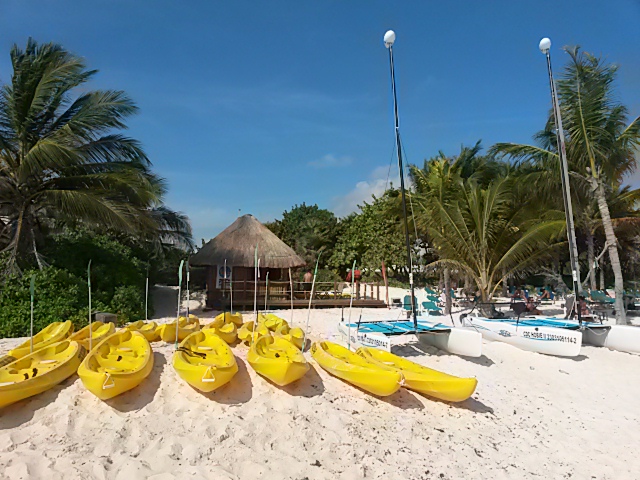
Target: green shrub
[[127, 303], [59, 296]]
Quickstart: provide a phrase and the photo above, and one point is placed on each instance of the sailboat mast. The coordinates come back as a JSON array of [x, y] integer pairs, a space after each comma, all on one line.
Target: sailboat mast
[[389, 38], [545, 45]]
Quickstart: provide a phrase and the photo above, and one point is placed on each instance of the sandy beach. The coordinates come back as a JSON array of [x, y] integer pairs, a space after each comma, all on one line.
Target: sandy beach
[[532, 416]]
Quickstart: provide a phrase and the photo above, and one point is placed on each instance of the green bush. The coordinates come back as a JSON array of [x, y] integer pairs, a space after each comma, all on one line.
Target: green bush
[[59, 296], [117, 284], [128, 303]]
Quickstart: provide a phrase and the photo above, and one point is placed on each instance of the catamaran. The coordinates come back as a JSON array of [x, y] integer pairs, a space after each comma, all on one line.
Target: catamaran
[[541, 333], [379, 334]]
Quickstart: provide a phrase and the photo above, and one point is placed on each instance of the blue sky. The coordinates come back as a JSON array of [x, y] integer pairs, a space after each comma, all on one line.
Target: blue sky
[[257, 106]]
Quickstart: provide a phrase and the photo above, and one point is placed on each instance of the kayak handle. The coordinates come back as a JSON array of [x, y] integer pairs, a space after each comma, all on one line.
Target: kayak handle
[[206, 379], [106, 385]]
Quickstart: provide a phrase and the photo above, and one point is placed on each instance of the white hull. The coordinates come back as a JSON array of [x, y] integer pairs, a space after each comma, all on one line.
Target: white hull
[[547, 340], [361, 339], [459, 341], [623, 338]]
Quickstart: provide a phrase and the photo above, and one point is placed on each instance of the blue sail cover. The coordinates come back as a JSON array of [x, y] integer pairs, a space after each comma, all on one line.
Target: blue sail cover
[[399, 327], [546, 322]]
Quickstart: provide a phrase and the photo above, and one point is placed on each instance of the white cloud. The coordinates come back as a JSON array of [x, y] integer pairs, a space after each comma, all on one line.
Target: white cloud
[[331, 160], [379, 180]]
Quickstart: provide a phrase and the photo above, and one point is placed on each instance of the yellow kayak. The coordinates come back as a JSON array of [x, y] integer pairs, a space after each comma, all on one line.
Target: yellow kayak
[[344, 364], [205, 361], [117, 364], [52, 333], [277, 359], [422, 379], [228, 317], [99, 331], [271, 321], [227, 331], [148, 329], [167, 331], [245, 332], [293, 335], [39, 371]]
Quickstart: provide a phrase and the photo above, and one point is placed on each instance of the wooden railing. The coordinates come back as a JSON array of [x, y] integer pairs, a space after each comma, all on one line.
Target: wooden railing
[[244, 290]]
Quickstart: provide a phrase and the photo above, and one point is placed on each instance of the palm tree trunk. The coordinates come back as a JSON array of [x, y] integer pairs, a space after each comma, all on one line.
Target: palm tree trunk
[[505, 290], [602, 275], [447, 291], [591, 260], [614, 259]]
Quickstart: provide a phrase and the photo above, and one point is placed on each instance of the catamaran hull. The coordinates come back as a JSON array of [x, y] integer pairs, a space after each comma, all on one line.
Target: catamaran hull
[[364, 339], [546, 340], [623, 338], [458, 341]]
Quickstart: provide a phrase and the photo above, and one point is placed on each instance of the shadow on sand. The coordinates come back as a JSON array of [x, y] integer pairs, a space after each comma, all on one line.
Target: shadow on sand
[[416, 350], [469, 404], [238, 390], [402, 399], [143, 394], [578, 358], [21, 412], [310, 385]]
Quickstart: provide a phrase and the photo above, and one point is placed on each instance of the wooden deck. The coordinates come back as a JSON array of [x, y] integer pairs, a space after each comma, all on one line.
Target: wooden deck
[[278, 295], [315, 303]]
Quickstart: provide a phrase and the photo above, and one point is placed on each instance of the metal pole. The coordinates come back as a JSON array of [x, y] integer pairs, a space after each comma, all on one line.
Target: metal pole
[[404, 200], [566, 189], [32, 291], [188, 296], [179, 302], [224, 288], [266, 293], [291, 288], [89, 286], [146, 297], [353, 277]]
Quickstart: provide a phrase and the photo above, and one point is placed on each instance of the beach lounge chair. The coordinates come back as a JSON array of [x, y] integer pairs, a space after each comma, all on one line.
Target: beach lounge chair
[[570, 310], [406, 304], [599, 296], [431, 308], [430, 292]]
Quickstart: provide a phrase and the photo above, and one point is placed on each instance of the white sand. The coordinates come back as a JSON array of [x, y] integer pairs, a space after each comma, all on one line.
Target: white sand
[[532, 416]]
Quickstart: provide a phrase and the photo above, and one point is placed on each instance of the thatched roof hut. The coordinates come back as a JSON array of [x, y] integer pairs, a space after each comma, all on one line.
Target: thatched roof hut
[[237, 245]]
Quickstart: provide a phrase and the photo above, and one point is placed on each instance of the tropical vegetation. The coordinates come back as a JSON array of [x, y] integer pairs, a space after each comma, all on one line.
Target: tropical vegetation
[[489, 219], [66, 166]]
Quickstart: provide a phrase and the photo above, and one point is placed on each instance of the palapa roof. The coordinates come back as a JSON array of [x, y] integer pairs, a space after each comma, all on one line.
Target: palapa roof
[[237, 244]]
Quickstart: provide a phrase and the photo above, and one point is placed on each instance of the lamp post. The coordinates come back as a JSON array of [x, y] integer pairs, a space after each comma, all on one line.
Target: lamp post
[[545, 46], [389, 39]]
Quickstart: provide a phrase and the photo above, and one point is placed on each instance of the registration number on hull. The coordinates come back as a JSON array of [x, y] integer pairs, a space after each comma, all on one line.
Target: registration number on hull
[[549, 337]]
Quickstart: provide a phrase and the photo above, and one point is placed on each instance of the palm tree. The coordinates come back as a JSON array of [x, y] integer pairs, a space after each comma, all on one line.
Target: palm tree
[[63, 160], [438, 181], [601, 146], [485, 232]]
